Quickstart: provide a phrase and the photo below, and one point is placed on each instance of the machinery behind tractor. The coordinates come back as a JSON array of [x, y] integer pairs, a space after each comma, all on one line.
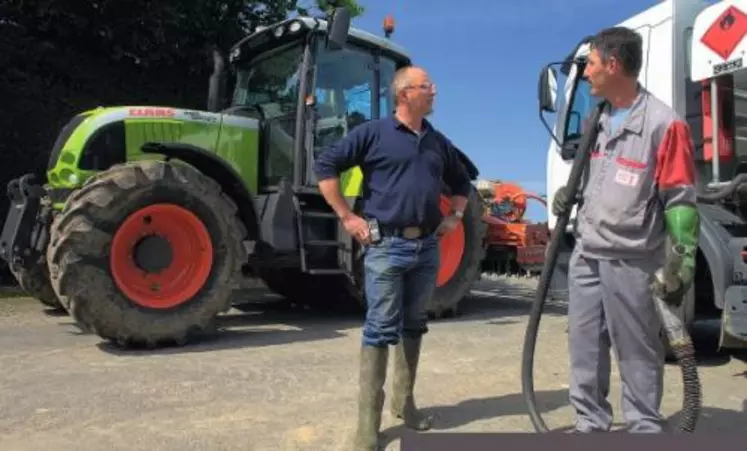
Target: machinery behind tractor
[[151, 217], [515, 245]]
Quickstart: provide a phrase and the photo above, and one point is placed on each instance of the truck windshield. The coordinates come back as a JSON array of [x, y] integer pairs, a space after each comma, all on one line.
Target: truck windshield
[[270, 81], [582, 104]]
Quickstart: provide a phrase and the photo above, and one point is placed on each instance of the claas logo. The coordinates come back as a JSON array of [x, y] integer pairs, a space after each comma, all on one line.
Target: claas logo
[[152, 112]]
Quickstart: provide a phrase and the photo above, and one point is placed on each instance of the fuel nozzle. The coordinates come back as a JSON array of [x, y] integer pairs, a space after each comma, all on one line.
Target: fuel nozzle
[[669, 275]]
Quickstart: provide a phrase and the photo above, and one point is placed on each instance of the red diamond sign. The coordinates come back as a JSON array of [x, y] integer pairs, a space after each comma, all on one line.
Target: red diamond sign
[[726, 32]]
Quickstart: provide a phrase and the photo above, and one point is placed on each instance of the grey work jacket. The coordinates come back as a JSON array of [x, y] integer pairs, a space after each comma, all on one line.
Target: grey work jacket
[[635, 174]]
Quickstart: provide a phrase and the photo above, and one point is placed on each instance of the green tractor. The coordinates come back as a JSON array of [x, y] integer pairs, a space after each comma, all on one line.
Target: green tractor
[[151, 217]]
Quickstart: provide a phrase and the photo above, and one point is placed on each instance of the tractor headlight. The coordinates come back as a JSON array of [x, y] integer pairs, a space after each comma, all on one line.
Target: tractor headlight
[[294, 27], [278, 32]]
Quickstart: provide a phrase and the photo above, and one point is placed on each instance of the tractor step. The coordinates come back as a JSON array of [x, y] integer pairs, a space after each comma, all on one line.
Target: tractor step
[[319, 215], [320, 239], [320, 272], [324, 243]]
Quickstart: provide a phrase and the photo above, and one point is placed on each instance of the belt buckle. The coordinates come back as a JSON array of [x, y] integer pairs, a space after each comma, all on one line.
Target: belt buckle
[[411, 232]]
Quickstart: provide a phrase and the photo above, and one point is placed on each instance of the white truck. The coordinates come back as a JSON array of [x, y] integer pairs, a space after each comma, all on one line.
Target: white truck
[[693, 60]]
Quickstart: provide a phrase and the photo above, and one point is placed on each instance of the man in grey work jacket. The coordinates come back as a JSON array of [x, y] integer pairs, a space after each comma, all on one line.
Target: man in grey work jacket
[[405, 161], [639, 198]]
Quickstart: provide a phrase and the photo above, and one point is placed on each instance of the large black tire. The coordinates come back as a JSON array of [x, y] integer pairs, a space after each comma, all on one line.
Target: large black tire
[[35, 282], [81, 239], [447, 297]]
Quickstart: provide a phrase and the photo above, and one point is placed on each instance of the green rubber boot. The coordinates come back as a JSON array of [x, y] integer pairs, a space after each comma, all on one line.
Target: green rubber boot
[[406, 357], [371, 397]]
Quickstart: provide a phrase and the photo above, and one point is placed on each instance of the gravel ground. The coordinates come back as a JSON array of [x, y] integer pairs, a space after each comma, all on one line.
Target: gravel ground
[[286, 380]]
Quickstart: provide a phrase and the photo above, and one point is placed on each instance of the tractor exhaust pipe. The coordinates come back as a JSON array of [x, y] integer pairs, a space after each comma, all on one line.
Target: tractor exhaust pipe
[[215, 86]]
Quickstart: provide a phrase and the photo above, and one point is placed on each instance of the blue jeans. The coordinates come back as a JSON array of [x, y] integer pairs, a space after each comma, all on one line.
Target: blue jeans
[[400, 277]]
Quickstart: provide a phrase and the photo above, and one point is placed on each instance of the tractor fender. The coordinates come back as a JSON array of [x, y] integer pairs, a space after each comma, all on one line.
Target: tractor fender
[[219, 170], [714, 244]]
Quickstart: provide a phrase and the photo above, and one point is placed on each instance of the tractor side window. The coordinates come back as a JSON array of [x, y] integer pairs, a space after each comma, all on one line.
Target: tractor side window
[[581, 107], [269, 84], [343, 93]]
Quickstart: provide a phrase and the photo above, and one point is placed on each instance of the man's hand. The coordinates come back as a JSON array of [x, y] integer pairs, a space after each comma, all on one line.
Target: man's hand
[[560, 201], [357, 227], [448, 224]]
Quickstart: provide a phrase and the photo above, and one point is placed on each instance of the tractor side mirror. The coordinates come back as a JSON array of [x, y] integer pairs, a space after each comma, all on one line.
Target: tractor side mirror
[[216, 84], [339, 26], [548, 89]]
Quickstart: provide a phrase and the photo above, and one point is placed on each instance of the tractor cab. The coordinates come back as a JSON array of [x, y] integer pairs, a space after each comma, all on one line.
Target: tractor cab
[[309, 82]]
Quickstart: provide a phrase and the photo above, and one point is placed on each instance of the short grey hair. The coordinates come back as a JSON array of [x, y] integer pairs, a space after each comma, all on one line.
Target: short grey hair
[[623, 44], [400, 81]]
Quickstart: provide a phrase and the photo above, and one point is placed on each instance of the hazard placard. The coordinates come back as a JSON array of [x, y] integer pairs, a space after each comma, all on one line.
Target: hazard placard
[[719, 44]]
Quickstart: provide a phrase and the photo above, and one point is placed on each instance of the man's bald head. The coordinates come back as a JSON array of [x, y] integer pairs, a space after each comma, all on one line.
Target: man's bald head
[[413, 90]]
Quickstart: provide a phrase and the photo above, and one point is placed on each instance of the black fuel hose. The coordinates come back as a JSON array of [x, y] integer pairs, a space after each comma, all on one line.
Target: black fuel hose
[[676, 332]]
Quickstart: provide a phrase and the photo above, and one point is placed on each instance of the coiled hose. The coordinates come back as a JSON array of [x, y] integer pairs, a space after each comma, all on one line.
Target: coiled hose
[[676, 332]]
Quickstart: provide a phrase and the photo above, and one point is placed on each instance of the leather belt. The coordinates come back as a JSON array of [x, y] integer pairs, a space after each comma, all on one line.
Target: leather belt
[[409, 233]]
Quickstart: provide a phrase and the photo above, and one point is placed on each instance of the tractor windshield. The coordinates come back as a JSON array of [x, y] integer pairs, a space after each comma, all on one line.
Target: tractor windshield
[[344, 90]]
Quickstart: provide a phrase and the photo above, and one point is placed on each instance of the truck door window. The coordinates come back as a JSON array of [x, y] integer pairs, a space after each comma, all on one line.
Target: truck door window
[[581, 107]]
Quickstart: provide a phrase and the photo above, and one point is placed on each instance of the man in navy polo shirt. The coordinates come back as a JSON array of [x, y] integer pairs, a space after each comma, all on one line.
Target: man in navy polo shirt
[[405, 162]]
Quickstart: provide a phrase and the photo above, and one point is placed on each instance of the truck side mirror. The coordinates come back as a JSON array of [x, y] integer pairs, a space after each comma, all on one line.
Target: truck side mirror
[[548, 89], [339, 26]]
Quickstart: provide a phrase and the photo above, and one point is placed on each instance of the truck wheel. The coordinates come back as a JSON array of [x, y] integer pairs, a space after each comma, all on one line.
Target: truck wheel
[[35, 282], [146, 253], [462, 252]]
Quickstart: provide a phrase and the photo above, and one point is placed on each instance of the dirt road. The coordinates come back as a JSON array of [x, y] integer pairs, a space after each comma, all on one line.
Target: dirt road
[[286, 380]]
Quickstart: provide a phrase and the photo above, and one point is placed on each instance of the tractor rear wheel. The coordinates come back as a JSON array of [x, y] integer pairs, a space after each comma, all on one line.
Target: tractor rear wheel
[[35, 282], [146, 253], [462, 252]]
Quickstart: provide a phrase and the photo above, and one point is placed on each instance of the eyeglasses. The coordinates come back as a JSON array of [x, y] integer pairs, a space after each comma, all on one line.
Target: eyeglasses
[[423, 86]]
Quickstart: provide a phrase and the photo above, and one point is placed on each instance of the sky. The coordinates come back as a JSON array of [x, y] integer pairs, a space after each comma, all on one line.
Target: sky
[[485, 58]]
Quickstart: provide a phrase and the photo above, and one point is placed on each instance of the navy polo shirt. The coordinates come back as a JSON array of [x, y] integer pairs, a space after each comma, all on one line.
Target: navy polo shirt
[[403, 173]]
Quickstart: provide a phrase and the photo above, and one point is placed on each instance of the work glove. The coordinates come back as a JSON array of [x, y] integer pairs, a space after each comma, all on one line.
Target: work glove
[[683, 226], [560, 200]]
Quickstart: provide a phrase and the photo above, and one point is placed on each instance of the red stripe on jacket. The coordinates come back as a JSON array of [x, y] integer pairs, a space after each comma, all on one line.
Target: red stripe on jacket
[[674, 157]]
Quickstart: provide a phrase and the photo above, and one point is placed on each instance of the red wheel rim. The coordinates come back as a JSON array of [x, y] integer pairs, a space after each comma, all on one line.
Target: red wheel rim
[[451, 247], [191, 256]]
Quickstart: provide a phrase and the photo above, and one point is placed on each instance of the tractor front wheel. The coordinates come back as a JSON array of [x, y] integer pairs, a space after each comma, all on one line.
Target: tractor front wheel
[[146, 253], [35, 282]]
